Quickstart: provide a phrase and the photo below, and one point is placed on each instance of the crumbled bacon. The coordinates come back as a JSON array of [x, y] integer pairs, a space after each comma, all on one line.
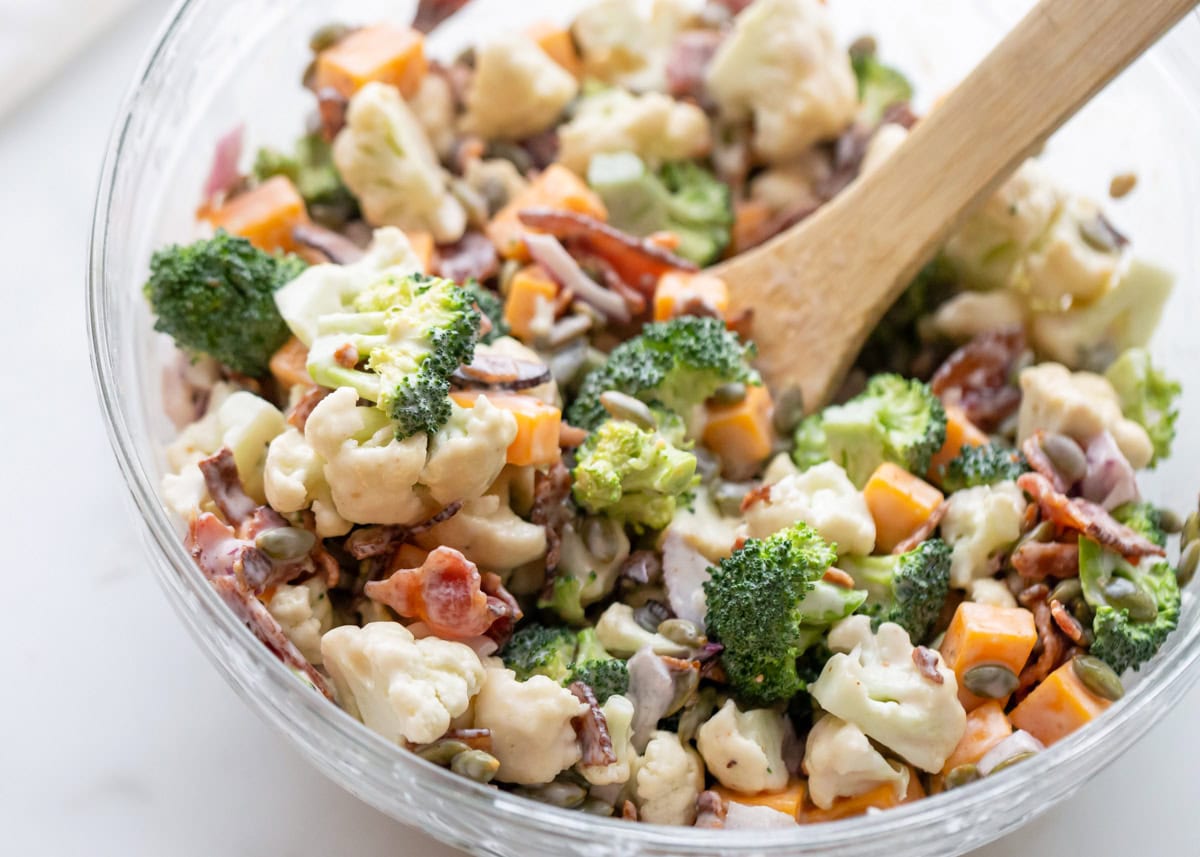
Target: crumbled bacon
[[1037, 560], [838, 578], [710, 810], [225, 486], [688, 61], [927, 663], [542, 148], [1067, 623], [591, 728], [502, 602], [445, 592], [924, 531], [298, 416], [612, 280], [551, 509], [1087, 518], [637, 261], [346, 355], [848, 152], [476, 739], [332, 107], [759, 494], [1051, 646], [629, 811], [977, 377], [368, 542], [431, 13], [1035, 454], [472, 257]]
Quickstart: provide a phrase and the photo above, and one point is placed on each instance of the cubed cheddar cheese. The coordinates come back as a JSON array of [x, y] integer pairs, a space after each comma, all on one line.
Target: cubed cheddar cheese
[[265, 215], [557, 188], [960, 432], [423, 247], [678, 292], [741, 433], [383, 53], [1058, 706], [987, 726], [558, 44], [881, 797], [538, 425], [899, 504], [986, 634], [789, 801], [530, 286]]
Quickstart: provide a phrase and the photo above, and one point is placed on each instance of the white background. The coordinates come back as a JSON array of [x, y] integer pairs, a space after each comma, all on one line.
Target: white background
[[116, 737]]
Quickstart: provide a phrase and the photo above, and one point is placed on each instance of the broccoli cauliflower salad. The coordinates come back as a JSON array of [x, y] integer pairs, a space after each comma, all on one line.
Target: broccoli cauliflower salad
[[471, 441]]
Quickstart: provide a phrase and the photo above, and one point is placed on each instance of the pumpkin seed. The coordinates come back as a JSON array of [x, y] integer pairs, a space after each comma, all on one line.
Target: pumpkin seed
[[1170, 521], [729, 394], [652, 614], [683, 632], [1066, 456], [789, 411], [442, 752], [285, 543], [1042, 532], [1191, 529], [728, 497], [328, 36], [991, 681], [595, 806], [960, 776], [558, 793], [600, 535], [1012, 760], [475, 765], [1067, 591], [1098, 677], [1189, 558], [1127, 595], [622, 406]]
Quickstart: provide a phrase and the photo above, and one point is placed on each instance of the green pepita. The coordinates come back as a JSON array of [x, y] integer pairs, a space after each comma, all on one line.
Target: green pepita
[[475, 765], [1191, 529], [285, 543], [789, 411], [601, 536], [1170, 521], [960, 776], [683, 632], [1012, 760], [1125, 594], [1189, 558], [442, 752], [729, 394], [622, 406], [1042, 532], [1066, 456], [728, 497], [990, 681], [1098, 677], [595, 806], [328, 36], [1067, 591], [558, 793]]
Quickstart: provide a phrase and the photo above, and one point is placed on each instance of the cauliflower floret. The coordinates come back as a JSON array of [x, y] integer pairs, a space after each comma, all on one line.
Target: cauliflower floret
[[744, 749], [241, 421], [403, 688], [841, 762], [1065, 267], [988, 590], [305, 614], [621, 635], [322, 290], [490, 534], [294, 479], [623, 42], [653, 126], [618, 715], [435, 108], [371, 474], [782, 64], [532, 735], [968, 314], [386, 159], [874, 683], [1080, 405], [979, 522], [667, 780], [517, 90], [823, 497], [468, 453], [598, 572], [497, 180], [790, 186]]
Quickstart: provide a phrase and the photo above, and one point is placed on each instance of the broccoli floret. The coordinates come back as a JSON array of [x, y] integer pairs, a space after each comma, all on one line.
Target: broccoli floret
[[879, 87], [492, 307], [768, 604], [311, 169], [1136, 606], [1148, 397], [811, 446], [412, 332], [566, 598], [683, 198], [677, 364], [216, 297], [540, 650], [605, 675], [909, 589], [982, 465], [895, 419], [1145, 518], [634, 475]]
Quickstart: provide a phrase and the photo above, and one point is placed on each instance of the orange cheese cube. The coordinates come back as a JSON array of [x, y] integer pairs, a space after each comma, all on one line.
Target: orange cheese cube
[[880, 797], [384, 53], [530, 286], [789, 801], [538, 425], [422, 245], [899, 503], [289, 365], [678, 290], [558, 45], [751, 219], [265, 215], [1058, 706], [987, 726], [960, 432], [986, 634], [557, 188], [741, 433]]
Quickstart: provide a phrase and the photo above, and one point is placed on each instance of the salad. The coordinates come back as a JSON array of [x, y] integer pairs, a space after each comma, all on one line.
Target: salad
[[472, 442]]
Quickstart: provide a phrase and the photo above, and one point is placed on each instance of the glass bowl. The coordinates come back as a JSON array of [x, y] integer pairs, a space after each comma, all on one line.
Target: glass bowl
[[217, 64]]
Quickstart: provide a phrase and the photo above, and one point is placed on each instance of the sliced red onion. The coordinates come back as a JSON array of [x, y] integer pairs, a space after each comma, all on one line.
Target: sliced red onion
[[651, 690], [224, 173], [740, 816], [549, 252], [1110, 480], [1014, 745], [685, 571]]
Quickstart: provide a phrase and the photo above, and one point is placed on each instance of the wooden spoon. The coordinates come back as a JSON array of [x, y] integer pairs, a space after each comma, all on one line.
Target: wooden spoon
[[818, 289]]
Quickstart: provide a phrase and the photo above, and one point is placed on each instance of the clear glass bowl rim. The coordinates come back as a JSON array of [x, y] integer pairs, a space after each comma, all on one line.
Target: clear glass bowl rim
[[319, 728]]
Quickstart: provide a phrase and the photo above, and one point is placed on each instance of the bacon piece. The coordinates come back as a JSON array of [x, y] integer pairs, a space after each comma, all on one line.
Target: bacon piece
[[591, 728], [849, 150], [639, 263], [298, 416], [1051, 646], [368, 542], [502, 601], [431, 13], [334, 246], [710, 811], [634, 299], [1087, 518], [472, 257], [690, 56], [551, 511], [225, 486], [1036, 561], [1035, 454], [445, 592], [927, 661], [977, 376], [1067, 623], [924, 531], [838, 578], [332, 107], [629, 811], [761, 494], [476, 739]]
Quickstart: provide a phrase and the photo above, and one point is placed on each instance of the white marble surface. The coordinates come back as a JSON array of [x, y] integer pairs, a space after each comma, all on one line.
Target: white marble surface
[[116, 737]]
